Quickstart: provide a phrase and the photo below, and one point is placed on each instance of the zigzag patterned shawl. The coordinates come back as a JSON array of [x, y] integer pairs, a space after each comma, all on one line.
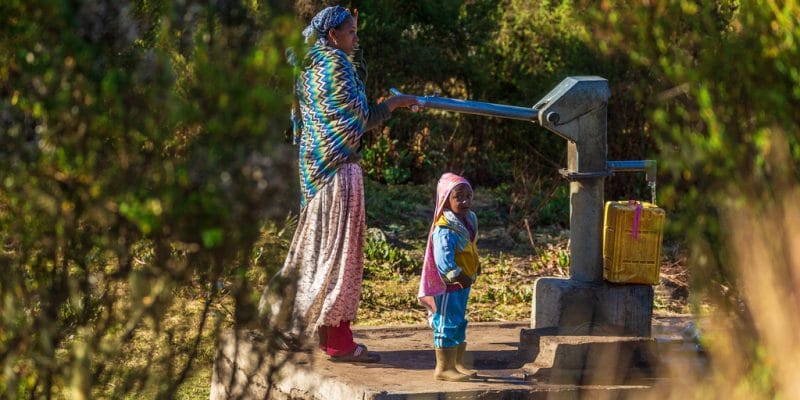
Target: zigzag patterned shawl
[[333, 114]]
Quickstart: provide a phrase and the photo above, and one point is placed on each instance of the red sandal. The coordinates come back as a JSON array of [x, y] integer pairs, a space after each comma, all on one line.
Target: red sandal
[[358, 355]]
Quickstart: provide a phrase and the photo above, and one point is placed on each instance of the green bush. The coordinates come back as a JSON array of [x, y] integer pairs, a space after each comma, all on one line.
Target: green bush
[[555, 210], [387, 204], [383, 259], [141, 151], [384, 162], [724, 106]]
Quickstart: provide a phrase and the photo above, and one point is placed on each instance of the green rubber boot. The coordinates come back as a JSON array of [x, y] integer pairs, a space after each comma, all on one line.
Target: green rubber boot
[[471, 373], [446, 365]]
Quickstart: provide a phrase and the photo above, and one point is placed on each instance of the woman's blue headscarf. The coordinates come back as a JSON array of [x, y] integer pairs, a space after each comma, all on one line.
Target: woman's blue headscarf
[[324, 21]]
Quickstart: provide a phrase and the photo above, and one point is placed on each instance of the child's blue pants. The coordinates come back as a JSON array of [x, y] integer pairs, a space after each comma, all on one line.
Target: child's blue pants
[[449, 322]]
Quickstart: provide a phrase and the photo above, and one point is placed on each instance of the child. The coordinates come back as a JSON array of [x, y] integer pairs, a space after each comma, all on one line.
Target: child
[[449, 268]]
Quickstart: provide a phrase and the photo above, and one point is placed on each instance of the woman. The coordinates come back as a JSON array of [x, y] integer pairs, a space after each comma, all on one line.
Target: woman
[[326, 257]]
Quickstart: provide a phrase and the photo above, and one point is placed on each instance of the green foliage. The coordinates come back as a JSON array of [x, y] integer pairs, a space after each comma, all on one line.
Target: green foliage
[[500, 51], [727, 98], [719, 62], [384, 259], [555, 210], [384, 162], [553, 257], [387, 204], [492, 297], [724, 106], [141, 148]]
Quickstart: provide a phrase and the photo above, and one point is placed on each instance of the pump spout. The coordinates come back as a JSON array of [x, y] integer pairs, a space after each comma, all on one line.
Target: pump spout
[[649, 167]]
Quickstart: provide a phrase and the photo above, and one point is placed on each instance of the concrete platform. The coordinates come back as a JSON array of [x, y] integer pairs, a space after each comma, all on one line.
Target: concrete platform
[[406, 368], [592, 308]]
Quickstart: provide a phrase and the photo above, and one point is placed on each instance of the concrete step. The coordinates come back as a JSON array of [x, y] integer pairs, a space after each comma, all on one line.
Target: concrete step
[[589, 360]]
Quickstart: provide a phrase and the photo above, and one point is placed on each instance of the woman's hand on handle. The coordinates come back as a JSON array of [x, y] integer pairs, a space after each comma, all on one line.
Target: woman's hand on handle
[[402, 100]]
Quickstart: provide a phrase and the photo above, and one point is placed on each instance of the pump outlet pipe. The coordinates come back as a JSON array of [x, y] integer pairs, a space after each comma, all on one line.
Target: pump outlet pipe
[[646, 166], [480, 108]]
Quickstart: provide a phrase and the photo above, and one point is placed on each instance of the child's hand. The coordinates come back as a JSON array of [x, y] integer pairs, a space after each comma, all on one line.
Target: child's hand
[[463, 280]]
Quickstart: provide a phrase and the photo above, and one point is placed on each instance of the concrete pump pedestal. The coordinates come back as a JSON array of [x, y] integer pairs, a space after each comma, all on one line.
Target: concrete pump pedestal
[[592, 308]]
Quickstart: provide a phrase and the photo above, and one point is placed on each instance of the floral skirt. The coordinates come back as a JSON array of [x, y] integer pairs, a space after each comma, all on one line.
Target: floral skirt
[[326, 257]]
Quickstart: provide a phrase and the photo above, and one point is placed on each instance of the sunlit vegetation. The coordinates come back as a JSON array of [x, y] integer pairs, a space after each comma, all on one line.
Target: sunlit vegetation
[[147, 193]]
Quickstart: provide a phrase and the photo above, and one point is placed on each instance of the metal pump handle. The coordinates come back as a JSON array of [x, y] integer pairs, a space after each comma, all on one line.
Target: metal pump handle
[[480, 108]]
